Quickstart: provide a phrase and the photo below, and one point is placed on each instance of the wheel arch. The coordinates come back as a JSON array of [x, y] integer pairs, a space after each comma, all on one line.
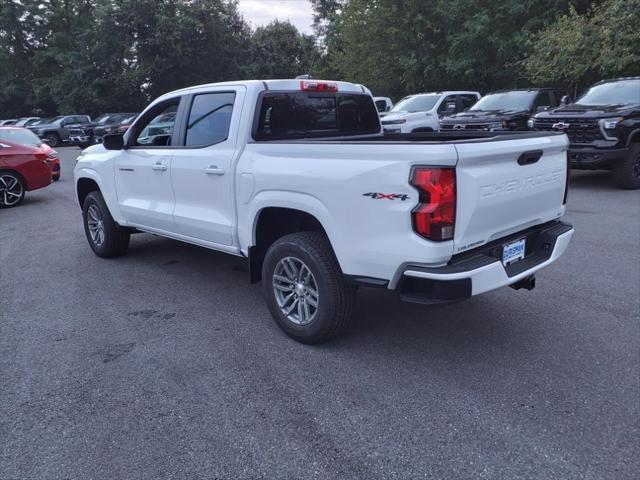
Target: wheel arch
[[84, 186], [12, 171], [273, 222], [634, 137]]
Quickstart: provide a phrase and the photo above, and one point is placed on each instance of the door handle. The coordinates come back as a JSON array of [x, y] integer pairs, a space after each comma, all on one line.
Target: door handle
[[159, 167], [214, 170]]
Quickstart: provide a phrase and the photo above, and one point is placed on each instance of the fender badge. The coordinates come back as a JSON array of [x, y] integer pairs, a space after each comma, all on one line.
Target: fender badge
[[387, 196]]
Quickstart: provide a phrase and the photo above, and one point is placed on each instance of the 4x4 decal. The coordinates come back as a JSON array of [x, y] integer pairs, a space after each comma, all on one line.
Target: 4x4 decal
[[387, 196]]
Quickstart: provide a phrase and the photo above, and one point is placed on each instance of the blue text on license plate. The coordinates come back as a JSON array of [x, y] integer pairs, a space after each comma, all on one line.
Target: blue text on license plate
[[512, 252]]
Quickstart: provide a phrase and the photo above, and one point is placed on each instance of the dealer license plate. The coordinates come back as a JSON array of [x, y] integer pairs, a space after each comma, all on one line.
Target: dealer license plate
[[513, 252]]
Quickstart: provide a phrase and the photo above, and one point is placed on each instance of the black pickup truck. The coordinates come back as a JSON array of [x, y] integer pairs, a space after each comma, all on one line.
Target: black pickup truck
[[507, 110], [603, 126]]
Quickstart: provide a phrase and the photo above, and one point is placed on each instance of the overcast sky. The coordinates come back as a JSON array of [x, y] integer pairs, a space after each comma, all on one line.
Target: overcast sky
[[261, 12]]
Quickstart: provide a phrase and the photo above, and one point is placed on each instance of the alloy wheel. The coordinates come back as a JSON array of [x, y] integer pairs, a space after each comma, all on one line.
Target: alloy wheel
[[296, 290], [11, 190], [96, 225]]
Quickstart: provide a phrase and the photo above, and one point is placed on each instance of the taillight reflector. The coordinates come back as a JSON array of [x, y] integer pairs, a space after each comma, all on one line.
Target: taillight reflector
[[434, 217], [317, 86]]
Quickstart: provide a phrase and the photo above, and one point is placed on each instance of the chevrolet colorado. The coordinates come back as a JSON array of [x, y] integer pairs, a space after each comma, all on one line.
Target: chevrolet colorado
[[297, 177]]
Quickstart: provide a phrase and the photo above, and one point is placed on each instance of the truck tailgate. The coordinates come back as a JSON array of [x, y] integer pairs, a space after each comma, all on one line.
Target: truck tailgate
[[506, 186]]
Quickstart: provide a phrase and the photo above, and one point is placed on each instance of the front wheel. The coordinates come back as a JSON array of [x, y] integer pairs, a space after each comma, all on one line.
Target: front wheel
[[105, 237], [305, 289], [11, 189], [626, 173], [53, 140]]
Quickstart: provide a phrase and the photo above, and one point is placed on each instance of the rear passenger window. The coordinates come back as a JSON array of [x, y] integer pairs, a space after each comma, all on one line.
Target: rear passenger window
[[209, 119]]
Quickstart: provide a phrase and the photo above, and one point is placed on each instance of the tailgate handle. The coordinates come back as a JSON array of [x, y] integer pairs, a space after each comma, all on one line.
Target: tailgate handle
[[529, 158]]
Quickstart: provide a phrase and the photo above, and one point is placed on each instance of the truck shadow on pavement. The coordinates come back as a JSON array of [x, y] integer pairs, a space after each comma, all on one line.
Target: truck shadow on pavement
[[220, 283]]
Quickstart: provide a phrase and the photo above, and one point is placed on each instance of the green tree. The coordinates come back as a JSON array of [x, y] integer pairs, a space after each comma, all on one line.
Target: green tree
[[278, 50], [582, 48], [403, 46], [16, 53]]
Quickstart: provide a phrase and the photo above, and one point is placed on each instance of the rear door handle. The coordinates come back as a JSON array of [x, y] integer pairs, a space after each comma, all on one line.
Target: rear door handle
[[159, 167], [529, 158], [214, 170]]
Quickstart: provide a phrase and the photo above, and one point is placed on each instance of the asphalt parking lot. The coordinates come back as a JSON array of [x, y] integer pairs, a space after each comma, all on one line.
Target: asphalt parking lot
[[165, 363]]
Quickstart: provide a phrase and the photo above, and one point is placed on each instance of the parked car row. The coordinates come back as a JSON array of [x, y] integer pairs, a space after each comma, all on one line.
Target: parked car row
[[603, 125], [74, 129]]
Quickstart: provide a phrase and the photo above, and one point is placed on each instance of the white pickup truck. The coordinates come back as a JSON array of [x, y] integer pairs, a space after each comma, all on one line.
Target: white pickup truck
[[296, 176]]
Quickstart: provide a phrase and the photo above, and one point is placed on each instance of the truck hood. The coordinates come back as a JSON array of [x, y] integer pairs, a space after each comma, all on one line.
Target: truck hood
[[34, 128], [488, 116], [97, 148], [408, 116], [590, 111]]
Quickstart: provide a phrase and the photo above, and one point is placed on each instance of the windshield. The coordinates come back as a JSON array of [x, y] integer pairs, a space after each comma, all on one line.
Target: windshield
[[515, 101], [20, 136], [417, 103], [103, 118], [624, 92]]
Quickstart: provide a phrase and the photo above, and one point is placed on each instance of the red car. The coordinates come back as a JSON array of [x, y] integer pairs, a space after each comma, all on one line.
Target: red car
[[22, 168], [22, 136]]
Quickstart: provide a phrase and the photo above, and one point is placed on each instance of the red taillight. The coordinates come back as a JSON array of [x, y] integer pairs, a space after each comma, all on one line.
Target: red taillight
[[316, 86], [435, 216]]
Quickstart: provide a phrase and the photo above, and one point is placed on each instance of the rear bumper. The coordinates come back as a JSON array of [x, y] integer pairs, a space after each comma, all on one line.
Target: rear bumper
[[481, 270], [595, 158]]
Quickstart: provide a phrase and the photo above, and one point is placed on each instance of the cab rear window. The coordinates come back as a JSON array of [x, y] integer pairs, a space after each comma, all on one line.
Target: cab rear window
[[314, 115]]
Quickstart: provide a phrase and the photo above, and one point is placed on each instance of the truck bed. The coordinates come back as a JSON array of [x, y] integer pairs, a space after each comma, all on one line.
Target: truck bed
[[427, 137]]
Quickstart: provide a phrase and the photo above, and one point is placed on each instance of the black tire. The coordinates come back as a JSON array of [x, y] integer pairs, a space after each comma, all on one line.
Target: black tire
[[53, 140], [626, 173], [12, 189], [335, 297], [114, 240]]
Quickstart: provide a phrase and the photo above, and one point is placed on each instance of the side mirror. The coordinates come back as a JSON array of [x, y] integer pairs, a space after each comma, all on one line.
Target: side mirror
[[113, 141], [565, 100]]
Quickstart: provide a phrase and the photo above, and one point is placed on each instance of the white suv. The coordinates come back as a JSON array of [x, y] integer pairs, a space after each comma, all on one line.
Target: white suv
[[422, 112]]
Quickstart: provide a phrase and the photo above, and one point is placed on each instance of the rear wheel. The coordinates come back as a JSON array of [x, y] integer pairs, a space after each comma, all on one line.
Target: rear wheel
[[626, 174], [305, 289], [105, 237], [12, 189]]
